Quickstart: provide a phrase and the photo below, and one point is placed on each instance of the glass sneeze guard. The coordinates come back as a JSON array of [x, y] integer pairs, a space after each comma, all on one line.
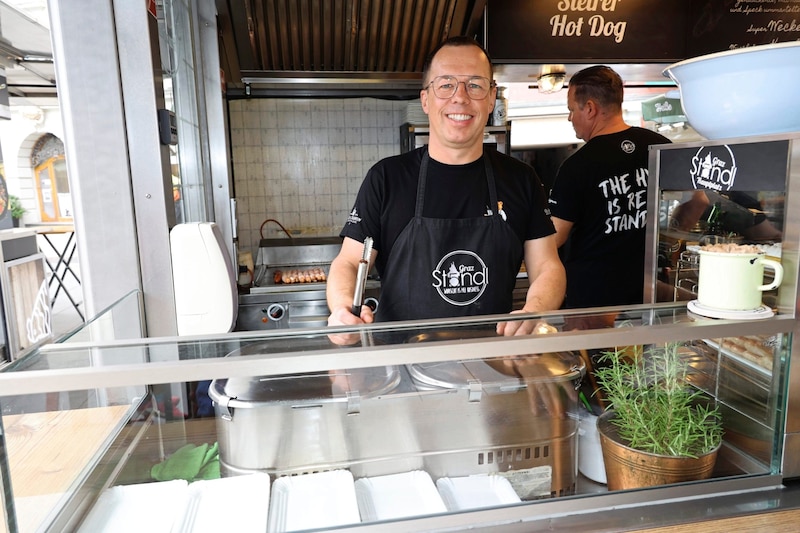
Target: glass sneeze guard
[[384, 405]]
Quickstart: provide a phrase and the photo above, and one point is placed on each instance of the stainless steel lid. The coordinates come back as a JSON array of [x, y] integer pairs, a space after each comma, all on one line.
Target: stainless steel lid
[[333, 386], [503, 373], [500, 373]]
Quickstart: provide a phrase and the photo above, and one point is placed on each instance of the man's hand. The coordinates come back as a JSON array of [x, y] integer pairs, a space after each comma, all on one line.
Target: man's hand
[[343, 317], [341, 287], [523, 327]]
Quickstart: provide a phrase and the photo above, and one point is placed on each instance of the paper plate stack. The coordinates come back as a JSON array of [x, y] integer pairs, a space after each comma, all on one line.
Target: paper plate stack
[[310, 501], [398, 496]]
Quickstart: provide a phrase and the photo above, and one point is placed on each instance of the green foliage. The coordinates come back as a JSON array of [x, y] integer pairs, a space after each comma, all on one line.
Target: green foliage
[[656, 410], [15, 207]]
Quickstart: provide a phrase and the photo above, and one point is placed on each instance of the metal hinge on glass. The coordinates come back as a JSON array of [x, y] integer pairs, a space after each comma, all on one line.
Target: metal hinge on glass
[[353, 403], [475, 390]]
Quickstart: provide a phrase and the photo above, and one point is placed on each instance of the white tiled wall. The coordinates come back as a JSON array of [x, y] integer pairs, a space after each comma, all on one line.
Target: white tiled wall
[[301, 162]]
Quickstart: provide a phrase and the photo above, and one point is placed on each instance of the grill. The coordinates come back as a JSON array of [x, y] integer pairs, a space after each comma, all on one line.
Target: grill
[[279, 305]]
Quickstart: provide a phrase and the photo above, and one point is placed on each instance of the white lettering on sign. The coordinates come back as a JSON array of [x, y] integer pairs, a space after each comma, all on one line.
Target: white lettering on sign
[[663, 107], [598, 25], [587, 5], [566, 28], [713, 168]]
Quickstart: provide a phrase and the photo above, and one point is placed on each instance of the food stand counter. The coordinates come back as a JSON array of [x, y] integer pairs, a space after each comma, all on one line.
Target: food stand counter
[[429, 406]]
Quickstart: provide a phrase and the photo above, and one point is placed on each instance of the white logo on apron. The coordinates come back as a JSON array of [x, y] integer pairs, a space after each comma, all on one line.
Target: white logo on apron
[[460, 277]]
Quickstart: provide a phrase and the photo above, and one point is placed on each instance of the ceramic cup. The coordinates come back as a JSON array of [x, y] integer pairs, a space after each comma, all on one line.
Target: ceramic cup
[[734, 281]]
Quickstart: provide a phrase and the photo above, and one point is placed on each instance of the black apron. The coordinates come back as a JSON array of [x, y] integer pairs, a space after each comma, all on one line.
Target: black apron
[[450, 267]]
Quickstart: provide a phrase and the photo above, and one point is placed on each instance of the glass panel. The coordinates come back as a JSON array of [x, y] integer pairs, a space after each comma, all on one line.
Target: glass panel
[[54, 442], [720, 197], [189, 161], [121, 320], [410, 406]]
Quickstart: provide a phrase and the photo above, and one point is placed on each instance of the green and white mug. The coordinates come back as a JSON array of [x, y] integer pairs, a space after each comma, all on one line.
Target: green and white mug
[[735, 281]]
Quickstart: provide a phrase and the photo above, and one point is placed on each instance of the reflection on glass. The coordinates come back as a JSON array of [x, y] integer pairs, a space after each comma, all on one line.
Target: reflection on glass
[[690, 219]]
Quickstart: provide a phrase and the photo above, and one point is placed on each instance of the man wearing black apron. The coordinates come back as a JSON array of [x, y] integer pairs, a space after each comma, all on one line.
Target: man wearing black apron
[[451, 222]]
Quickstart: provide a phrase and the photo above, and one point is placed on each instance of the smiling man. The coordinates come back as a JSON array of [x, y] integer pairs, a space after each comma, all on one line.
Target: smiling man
[[452, 221]]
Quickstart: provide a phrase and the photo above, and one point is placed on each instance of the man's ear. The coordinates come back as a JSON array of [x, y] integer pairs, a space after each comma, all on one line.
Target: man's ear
[[591, 109], [423, 99]]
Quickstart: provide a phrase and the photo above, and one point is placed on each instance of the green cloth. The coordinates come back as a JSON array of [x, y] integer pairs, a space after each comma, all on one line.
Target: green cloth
[[189, 462]]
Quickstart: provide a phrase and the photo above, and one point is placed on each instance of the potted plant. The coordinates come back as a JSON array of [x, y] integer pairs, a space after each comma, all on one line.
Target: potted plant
[[657, 428], [16, 209]]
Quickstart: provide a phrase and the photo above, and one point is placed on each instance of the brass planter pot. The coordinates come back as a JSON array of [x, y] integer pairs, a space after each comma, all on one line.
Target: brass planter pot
[[627, 468]]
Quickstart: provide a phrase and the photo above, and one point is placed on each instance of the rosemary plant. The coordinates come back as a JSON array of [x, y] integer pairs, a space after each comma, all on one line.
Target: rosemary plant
[[655, 409]]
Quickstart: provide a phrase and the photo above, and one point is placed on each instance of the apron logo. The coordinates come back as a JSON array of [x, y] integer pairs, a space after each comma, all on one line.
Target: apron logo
[[460, 277]]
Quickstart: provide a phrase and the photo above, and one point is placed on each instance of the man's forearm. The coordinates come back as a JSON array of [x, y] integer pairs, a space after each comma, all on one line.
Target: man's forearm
[[341, 285], [546, 291]]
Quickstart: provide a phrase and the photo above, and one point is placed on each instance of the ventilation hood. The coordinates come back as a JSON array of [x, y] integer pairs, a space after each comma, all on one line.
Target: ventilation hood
[[335, 47], [341, 48]]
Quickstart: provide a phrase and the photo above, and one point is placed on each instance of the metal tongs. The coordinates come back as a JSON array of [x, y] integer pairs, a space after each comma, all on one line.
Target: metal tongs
[[361, 278]]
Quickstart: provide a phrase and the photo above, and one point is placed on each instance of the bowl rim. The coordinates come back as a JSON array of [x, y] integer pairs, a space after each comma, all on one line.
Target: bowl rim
[[726, 53]]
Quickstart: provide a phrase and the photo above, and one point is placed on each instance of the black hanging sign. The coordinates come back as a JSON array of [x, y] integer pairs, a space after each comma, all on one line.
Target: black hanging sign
[[755, 166], [644, 31], [586, 30]]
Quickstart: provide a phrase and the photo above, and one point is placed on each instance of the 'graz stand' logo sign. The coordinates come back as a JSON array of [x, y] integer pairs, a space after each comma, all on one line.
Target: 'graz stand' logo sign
[[713, 167], [460, 277]]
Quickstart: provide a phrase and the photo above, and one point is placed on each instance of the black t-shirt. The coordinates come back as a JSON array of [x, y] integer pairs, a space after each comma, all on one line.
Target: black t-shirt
[[385, 203], [602, 190]]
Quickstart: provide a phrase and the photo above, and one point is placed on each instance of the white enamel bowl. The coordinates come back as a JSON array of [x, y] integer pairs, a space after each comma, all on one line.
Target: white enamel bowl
[[744, 92]]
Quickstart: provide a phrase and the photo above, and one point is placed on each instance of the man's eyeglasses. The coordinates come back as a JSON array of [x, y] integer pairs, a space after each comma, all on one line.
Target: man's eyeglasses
[[477, 87]]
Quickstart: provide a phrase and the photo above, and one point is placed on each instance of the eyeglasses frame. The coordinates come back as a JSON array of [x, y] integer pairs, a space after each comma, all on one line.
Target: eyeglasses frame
[[492, 84]]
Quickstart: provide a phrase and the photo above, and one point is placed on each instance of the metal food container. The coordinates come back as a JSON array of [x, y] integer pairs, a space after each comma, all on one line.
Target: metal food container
[[512, 416], [294, 423], [516, 416]]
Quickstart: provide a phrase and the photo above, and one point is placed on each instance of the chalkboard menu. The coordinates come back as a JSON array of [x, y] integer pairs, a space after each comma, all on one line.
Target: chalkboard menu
[[717, 25], [624, 31]]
